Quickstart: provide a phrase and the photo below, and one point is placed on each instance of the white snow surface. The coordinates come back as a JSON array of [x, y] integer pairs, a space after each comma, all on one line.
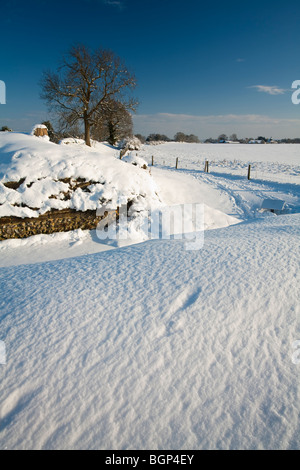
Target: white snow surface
[[152, 346], [275, 173], [269, 162], [156, 347]]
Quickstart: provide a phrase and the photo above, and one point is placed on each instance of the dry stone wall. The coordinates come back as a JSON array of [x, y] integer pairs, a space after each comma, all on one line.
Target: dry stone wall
[[54, 221]]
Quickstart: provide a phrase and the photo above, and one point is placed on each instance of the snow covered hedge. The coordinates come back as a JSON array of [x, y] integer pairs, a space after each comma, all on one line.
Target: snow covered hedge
[[130, 143]]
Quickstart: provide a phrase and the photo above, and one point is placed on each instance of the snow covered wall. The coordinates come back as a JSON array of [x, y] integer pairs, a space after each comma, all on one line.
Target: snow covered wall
[[38, 176]]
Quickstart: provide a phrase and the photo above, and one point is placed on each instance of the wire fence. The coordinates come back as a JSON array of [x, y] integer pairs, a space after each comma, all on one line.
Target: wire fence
[[272, 172]]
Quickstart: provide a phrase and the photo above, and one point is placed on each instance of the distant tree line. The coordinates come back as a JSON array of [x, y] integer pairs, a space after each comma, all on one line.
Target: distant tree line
[[223, 138], [182, 137], [179, 137], [289, 141], [116, 124]]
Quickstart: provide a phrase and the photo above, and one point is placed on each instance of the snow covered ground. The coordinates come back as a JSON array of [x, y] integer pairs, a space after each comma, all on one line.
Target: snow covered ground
[[270, 162], [151, 346], [275, 173]]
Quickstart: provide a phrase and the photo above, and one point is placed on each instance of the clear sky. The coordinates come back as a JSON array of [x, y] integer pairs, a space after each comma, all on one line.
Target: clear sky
[[202, 67]]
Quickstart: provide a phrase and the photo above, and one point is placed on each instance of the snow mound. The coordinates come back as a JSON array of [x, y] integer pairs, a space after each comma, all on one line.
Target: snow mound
[[37, 176], [135, 160], [72, 141], [130, 143]]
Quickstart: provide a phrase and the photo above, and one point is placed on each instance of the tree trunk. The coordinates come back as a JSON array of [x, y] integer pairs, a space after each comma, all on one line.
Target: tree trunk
[[112, 133], [87, 133]]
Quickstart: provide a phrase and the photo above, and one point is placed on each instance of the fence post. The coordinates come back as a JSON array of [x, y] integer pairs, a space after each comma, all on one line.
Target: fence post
[[152, 160], [249, 169], [176, 163]]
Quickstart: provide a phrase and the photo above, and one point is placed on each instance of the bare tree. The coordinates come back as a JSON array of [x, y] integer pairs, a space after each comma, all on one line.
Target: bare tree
[[222, 138], [157, 138], [85, 85], [141, 137], [115, 123], [180, 137]]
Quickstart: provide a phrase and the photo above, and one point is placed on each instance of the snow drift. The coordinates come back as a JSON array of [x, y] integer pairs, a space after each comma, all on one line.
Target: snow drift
[[155, 347], [45, 177]]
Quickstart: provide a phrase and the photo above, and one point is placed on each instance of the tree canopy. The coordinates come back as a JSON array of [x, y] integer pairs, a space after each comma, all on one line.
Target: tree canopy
[[86, 86]]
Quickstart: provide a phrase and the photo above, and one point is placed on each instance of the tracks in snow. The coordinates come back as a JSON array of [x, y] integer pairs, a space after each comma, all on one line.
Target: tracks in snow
[[174, 317], [247, 196]]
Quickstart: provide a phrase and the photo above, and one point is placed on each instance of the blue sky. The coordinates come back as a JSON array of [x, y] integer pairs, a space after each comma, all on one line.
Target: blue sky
[[202, 68]]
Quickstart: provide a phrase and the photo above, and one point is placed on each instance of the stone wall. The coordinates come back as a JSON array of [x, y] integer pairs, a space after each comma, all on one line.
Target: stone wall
[[53, 221]]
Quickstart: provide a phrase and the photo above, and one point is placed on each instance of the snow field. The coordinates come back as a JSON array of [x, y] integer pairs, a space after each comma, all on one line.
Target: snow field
[[270, 162], [151, 346], [275, 173]]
